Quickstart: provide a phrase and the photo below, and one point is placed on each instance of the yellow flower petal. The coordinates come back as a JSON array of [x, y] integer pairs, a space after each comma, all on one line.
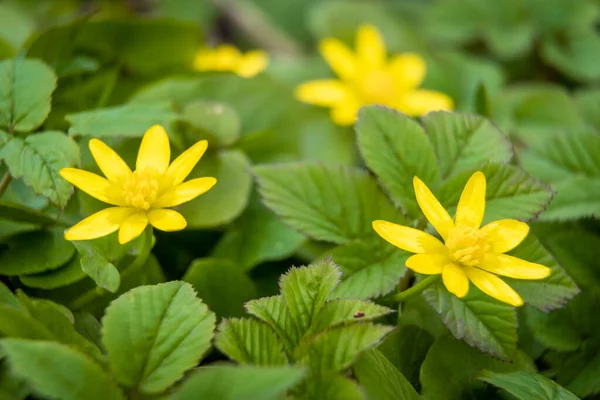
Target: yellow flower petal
[[408, 239], [339, 57], [226, 57], [455, 279], [133, 226], [420, 102], [99, 224], [345, 113], [204, 60], [370, 46], [94, 185], [184, 192], [252, 63], [325, 92], [432, 209], [427, 263], [493, 286], [408, 69], [505, 234], [471, 205], [513, 267], [166, 220], [111, 164], [155, 151], [181, 167]]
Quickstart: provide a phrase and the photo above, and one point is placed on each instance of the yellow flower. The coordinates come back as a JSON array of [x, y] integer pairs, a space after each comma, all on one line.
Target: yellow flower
[[228, 58], [141, 196], [470, 252], [368, 77]]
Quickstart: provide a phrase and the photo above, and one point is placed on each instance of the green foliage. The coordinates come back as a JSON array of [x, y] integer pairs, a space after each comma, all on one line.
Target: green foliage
[[523, 385]]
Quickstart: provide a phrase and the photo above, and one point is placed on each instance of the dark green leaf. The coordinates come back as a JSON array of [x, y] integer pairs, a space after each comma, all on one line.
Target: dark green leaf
[[63, 276]]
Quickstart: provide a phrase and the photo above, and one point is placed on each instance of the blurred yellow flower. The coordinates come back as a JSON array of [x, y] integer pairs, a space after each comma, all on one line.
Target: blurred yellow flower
[[470, 252], [228, 58], [141, 196], [368, 77]]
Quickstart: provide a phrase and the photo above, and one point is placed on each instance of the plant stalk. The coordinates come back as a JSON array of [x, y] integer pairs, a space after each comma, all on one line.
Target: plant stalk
[[416, 289]]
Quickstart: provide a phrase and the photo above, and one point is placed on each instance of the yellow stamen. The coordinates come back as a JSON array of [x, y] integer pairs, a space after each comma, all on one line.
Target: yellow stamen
[[467, 245], [141, 190]]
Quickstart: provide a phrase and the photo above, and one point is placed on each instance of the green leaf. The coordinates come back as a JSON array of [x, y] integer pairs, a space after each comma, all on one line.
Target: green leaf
[[19, 213], [478, 319], [16, 322], [228, 198], [463, 142], [219, 121], [574, 53], [589, 105], [15, 26], [257, 236], [221, 285], [249, 341], [63, 276], [510, 193], [57, 371], [332, 387], [7, 297], [274, 312], [451, 368], [345, 311], [330, 203], [579, 370], [229, 382], [381, 379], [336, 349], [306, 289], [396, 149], [38, 158], [96, 265], [129, 120], [34, 252], [371, 268], [154, 334], [25, 90], [527, 385]]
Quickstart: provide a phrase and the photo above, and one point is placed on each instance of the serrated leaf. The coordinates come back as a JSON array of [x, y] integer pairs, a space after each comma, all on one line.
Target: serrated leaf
[[478, 319], [26, 86], [72, 376], [510, 193], [249, 341], [153, 334], [274, 312], [381, 379], [222, 285], [129, 120], [229, 382], [336, 349], [396, 149], [371, 268], [527, 385], [463, 142], [38, 158], [34, 252], [63, 276], [219, 121], [345, 311], [330, 203], [306, 289]]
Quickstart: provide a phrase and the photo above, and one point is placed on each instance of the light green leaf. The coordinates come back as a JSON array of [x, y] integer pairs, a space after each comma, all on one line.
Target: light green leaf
[[96, 265], [330, 203], [345, 311], [451, 368], [7, 297], [15, 26], [216, 121], [228, 198], [229, 382], [396, 149], [574, 52], [332, 387], [274, 312], [478, 319], [588, 100], [57, 371], [371, 268], [129, 120], [336, 349], [222, 285], [34, 252], [17, 322], [510, 193], [249, 341], [25, 90], [306, 289], [63, 276], [381, 379], [38, 158], [463, 142], [527, 385], [154, 334]]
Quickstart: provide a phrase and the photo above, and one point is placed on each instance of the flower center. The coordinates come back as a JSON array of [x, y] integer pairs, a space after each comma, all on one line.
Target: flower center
[[467, 246], [378, 86], [141, 189]]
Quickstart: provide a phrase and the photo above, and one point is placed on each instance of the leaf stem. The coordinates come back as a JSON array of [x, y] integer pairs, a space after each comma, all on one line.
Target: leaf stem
[[418, 288], [144, 253], [5, 182]]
